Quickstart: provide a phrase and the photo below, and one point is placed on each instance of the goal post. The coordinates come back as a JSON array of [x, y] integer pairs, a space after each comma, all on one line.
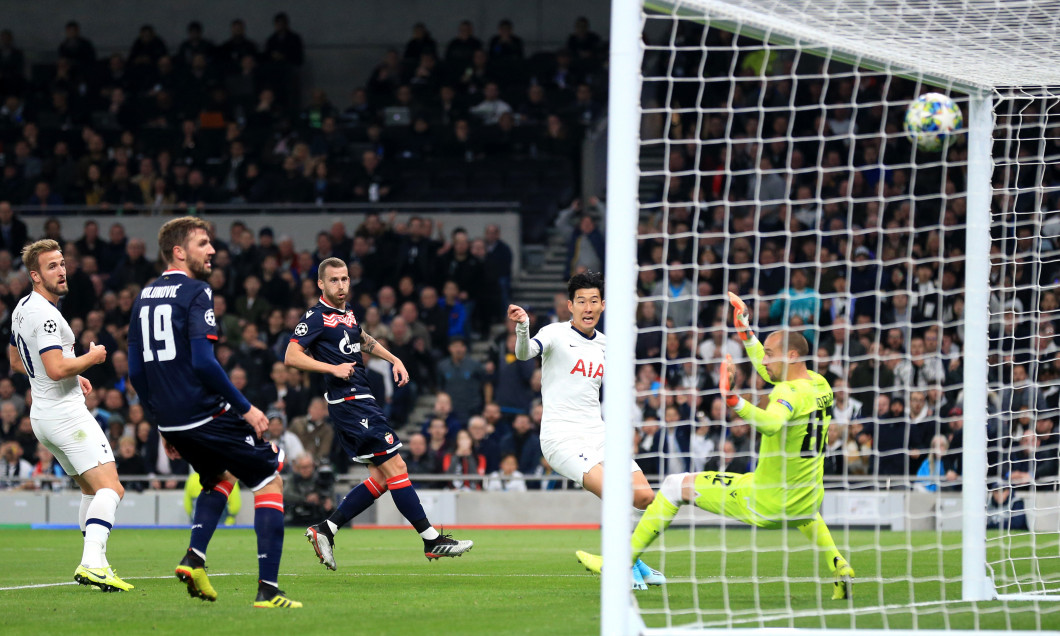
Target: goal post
[[710, 164]]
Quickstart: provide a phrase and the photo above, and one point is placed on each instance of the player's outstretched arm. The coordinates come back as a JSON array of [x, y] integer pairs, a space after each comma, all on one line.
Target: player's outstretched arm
[[372, 347], [213, 375], [297, 357], [525, 348], [741, 319], [58, 368], [768, 421]]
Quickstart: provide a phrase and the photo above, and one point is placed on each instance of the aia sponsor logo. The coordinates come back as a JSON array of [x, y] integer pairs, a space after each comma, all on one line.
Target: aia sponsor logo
[[592, 372]]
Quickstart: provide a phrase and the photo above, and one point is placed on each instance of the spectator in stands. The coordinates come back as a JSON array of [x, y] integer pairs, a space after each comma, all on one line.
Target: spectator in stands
[[505, 46], [12, 465], [936, 468], [524, 443], [919, 370], [463, 460], [1003, 510], [459, 51], [421, 43], [679, 305], [652, 445], [129, 462], [13, 232], [420, 460], [583, 43], [507, 478], [586, 248], [314, 430], [77, 49], [484, 441], [463, 378], [492, 107], [511, 377], [286, 441], [308, 494], [438, 441]]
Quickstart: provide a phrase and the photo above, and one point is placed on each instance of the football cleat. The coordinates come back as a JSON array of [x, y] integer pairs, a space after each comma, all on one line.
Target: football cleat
[[844, 580], [651, 575], [103, 578], [192, 572], [595, 563], [592, 562], [638, 580], [445, 546], [323, 543], [274, 599]]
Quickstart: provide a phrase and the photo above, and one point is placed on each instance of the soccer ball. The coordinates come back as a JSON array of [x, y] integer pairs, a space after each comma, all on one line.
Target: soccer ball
[[932, 120]]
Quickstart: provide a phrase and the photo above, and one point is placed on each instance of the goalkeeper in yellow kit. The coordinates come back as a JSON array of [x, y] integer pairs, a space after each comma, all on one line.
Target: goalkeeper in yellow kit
[[787, 485]]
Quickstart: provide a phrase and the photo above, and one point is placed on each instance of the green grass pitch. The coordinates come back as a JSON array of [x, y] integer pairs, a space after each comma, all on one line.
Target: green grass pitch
[[512, 582]]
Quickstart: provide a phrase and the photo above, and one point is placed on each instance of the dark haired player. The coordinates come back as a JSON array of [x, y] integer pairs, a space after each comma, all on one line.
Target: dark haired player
[[328, 340], [201, 415], [572, 373]]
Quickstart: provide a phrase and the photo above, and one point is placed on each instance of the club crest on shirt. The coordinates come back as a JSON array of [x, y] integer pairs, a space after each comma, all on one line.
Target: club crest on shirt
[[389, 437]]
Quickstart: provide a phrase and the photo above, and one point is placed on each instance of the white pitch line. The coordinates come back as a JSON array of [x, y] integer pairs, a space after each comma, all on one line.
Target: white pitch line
[[128, 578], [774, 617], [355, 574]]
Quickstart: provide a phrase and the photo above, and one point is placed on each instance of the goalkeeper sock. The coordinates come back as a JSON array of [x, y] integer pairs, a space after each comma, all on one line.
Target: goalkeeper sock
[[654, 521], [817, 532]]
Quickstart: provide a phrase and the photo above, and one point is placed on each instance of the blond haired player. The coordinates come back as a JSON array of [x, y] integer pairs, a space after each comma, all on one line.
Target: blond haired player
[[42, 347], [786, 488], [572, 374]]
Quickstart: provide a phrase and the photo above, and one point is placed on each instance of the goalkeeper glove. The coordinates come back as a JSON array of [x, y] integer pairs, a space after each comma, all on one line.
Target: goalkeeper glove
[[740, 318], [727, 373]]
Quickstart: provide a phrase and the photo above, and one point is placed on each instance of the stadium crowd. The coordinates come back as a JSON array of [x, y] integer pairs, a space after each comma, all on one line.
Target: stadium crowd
[[789, 182], [864, 258]]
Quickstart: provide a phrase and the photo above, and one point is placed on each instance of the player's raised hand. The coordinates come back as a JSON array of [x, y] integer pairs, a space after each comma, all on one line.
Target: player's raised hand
[[517, 314], [728, 378], [86, 386], [401, 374], [97, 354], [740, 317], [343, 371], [257, 420]]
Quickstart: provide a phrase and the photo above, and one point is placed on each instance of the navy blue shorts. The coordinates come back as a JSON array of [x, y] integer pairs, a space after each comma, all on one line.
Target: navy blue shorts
[[227, 443], [364, 431]]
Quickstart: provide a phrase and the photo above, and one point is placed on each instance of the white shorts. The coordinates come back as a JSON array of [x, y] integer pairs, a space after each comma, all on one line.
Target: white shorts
[[78, 443], [572, 457]]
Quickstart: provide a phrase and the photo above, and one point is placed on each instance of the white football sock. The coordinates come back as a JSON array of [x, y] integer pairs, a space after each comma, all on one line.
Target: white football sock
[[82, 512], [331, 526], [430, 534], [99, 520]]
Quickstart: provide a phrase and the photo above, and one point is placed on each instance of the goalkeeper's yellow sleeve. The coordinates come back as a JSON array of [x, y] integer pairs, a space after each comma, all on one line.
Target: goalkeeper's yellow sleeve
[[756, 352], [768, 421]]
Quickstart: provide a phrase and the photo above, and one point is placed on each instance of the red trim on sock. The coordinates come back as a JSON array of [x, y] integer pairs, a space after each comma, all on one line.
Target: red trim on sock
[[224, 487], [269, 500], [399, 481], [374, 487]]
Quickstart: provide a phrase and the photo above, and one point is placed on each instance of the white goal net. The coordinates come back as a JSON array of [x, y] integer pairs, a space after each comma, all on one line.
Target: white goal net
[[772, 162]]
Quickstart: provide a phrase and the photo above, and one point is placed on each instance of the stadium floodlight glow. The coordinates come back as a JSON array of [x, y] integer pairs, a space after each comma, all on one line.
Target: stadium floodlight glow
[[754, 142]]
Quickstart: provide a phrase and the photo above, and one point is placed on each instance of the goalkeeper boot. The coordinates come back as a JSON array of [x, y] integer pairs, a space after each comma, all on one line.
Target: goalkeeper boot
[[192, 572], [844, 580], [445, 546], [103, 578], [592, 562], [638, 580], [270, 597], [323, 541], [650, 575]]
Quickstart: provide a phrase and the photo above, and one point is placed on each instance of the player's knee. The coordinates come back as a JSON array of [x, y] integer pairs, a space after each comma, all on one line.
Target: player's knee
[[642, 498], [396, 465], [673, 487], [118, 488]]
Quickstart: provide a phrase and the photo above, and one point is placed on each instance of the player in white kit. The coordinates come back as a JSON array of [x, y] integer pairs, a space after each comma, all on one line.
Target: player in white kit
[[42, 347], [572, 374]]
